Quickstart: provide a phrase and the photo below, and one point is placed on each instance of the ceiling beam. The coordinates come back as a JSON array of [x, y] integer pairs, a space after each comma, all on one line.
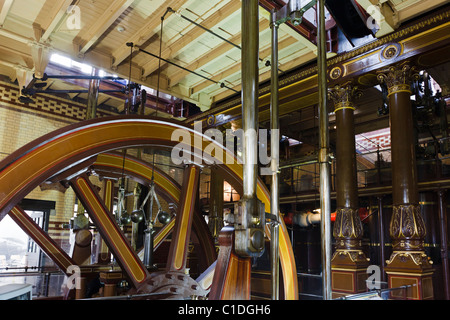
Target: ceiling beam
[[292, 32], [236, 67], [415, 9], [146, 31], [5, 6], [303, 58], [383, 14], [189, 37], [302, 29], [103, 23], [214, 53], [56, 15]]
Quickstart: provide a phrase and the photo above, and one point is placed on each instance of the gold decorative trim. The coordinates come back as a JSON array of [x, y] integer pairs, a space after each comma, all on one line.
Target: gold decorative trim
[[355, 256], [414, 289], [407, 227], [395, 36], [418, 257], [336, 72], [346, 274], [344, 107], [391, 51]]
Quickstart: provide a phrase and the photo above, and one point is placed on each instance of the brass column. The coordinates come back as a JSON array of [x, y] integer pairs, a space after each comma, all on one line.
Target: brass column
[[408, 264], [444, 242], [324, 154], [349, 263]]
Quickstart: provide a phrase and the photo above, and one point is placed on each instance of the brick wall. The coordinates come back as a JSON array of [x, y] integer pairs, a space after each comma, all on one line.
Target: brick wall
[[22, 123]]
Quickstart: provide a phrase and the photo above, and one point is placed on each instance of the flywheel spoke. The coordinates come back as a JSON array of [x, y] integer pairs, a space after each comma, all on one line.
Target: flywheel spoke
[[42, 239], [109, 230], [182, 229]]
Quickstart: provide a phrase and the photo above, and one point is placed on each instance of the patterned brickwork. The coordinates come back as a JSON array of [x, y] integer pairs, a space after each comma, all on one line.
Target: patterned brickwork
[[22, 123], [370, 140], [46, 104]]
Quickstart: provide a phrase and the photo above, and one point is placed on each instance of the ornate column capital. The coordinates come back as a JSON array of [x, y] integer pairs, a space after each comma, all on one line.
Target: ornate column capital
[[398, 77], [344, 95]]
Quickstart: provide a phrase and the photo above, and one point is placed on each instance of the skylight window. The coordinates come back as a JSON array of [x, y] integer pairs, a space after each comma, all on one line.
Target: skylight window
[[61, 60], [71, 64]]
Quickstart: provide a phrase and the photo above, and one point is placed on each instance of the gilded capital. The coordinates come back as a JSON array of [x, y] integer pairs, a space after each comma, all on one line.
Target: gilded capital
[[343, 96], [398, 77]]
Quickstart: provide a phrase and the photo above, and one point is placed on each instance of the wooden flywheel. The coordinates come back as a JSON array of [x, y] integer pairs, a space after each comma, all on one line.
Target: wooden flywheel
[[65, 154]]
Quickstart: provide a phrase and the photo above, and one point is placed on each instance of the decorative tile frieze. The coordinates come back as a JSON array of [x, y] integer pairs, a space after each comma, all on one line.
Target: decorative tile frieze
[[45, 105]]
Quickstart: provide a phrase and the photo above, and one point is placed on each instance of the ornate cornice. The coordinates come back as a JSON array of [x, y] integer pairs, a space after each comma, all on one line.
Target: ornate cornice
[[422, 25], [400, 34]]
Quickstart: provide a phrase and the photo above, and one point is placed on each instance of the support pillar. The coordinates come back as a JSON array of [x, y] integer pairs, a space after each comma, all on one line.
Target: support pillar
[[349, 263], [80, 292], [324, 156], [215, 222], [94, 86], [250, 212], [408, 264], [444, 242], [381, 237], [275, 154], [104, 254], [111, 279]]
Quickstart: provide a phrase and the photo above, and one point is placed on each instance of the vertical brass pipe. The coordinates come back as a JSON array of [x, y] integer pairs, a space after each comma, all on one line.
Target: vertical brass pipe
[[215, 222], [94, 85], [275, 152], [324, 165], [250, 72], [381, 235], [444, 242]]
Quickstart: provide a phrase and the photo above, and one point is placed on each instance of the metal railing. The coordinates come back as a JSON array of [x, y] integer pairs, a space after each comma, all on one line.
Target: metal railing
[[45, 283], [377, 294], [303, 175]]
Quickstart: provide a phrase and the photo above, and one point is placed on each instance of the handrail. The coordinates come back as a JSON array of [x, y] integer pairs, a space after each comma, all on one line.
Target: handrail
[[378, 291]]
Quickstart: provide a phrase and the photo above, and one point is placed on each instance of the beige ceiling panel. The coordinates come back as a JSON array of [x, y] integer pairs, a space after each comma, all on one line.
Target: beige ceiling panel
[[5, 6], [103, 23], [29, 10], [188, 38], [146, 31]]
